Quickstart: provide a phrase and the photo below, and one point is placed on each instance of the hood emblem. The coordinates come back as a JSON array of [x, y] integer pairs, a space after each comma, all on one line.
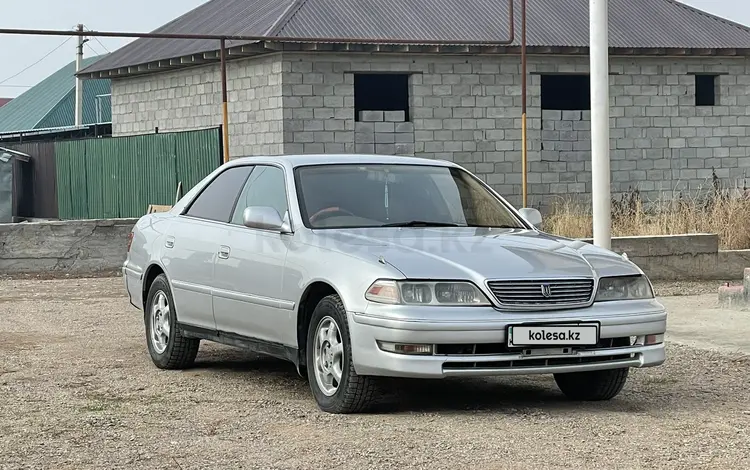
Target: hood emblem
[[546, 291]]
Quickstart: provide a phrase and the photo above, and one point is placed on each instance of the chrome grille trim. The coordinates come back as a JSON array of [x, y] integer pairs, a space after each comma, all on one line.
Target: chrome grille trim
[[538, 362], [528, 293]]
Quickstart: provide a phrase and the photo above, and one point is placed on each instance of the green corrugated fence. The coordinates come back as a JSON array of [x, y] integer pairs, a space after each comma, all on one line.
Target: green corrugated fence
[[120, 176]]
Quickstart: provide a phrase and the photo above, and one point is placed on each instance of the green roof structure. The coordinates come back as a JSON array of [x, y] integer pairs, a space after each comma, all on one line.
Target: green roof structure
[[51, 103]]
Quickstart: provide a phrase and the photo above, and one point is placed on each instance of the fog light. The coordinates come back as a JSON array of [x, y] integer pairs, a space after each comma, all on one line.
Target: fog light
[[654, 339], [411, 349]]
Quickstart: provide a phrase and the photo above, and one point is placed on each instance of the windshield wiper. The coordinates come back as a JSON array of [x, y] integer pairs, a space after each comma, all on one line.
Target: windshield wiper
[[421, 223], [493, 226]]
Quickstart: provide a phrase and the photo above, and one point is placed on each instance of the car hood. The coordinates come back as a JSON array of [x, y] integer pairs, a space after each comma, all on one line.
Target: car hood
[[479, 253]]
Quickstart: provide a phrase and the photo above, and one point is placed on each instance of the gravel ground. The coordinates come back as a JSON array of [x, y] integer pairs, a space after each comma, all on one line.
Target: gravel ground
[[690, 288], [78, 390]]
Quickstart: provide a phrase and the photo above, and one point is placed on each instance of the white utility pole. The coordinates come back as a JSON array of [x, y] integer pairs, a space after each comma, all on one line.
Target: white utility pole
[[600, 171], [79, 81]]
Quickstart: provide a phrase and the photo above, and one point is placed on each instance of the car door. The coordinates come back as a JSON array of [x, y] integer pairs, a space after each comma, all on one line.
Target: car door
[[192, 245], [248, 278]]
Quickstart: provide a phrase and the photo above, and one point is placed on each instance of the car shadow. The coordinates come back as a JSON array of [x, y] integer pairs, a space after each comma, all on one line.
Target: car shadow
[[512, 395], [240, 361]]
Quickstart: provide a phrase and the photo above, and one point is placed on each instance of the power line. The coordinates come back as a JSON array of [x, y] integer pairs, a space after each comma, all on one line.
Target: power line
[[38, 61], [102, 44], [97, 40], [92, 49]]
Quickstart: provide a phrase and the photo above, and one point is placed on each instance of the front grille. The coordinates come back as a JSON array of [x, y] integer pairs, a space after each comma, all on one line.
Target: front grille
[[541, 293]]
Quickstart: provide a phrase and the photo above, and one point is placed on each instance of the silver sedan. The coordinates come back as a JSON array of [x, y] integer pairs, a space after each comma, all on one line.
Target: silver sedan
[[356, 267]]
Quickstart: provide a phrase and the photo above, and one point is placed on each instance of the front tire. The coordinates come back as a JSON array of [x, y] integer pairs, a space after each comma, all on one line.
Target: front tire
[[597, 385], [335, 385], [166, 345]]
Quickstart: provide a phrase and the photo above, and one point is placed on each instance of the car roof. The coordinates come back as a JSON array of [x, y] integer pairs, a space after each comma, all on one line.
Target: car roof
[[294, 161]]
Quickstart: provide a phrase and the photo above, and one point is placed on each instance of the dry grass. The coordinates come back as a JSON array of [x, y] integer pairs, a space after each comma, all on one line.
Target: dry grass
[[724, 212]]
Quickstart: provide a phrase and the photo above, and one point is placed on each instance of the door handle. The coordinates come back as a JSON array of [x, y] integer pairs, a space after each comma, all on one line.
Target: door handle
[[169, 243], [224, 252]]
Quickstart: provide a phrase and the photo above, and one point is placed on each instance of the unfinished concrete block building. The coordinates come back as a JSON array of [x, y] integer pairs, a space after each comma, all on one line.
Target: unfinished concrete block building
[[680, 87]]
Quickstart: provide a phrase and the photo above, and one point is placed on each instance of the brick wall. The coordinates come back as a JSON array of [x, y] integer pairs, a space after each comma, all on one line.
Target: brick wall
[[467, 110], [191, 99]]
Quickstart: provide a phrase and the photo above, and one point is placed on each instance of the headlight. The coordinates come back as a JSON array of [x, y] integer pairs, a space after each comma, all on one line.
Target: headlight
[[425, 293], [624, 288]]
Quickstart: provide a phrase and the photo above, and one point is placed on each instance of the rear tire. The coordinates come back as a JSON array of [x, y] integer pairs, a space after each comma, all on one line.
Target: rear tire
[[166, 345], [335, 385], [597, 385]]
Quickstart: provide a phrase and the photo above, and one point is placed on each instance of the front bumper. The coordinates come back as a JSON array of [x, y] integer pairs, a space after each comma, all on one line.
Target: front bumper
[[487, 326]]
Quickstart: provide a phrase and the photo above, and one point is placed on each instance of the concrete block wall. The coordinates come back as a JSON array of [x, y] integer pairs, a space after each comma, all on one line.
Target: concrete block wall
[[384, 133], [318, 107], [191, 99], [96, 247], [682, 257], [462, 109], [661, 141], [467, 109], [565, 164], [82, 247]]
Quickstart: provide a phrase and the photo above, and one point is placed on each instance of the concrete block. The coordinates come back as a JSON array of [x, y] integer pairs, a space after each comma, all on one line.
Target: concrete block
[[405, 149], [404, 137], [371, 116], [324, 137], [385, 138], [364, 137], [385, 149], [344, 137], [364, 148], [395, 116], [333, 148], [732, 297], [404, 127], [364, 127], [552, 115], [383, 127]]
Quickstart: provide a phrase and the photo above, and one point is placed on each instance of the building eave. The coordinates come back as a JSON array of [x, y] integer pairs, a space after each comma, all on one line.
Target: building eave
[[258, 49]]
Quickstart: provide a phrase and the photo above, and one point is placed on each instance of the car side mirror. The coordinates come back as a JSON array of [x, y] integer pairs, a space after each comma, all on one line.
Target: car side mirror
[[532, 216], [264, 218]]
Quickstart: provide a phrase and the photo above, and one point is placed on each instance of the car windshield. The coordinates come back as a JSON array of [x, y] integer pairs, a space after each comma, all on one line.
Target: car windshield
[[379, 195]]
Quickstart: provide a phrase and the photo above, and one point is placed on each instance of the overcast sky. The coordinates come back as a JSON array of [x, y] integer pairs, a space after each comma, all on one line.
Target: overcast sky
[[19, 52]]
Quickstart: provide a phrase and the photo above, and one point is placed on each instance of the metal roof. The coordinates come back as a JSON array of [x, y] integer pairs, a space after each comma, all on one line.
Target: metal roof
[[4, 101], [634, 24], [6, 154], [51, 102]]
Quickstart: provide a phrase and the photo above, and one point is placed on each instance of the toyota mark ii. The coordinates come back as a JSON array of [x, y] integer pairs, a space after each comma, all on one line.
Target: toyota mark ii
[[356, 267]]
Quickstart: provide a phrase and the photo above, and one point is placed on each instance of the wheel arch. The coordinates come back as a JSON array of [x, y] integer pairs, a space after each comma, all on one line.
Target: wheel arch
[[152, 272], [313, 293]]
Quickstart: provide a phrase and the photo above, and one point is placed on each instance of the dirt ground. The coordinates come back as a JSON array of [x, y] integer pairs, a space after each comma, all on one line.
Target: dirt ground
[[78, 390]]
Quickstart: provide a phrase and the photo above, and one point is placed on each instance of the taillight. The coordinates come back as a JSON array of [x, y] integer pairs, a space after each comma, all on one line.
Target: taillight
[[130, 240]]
